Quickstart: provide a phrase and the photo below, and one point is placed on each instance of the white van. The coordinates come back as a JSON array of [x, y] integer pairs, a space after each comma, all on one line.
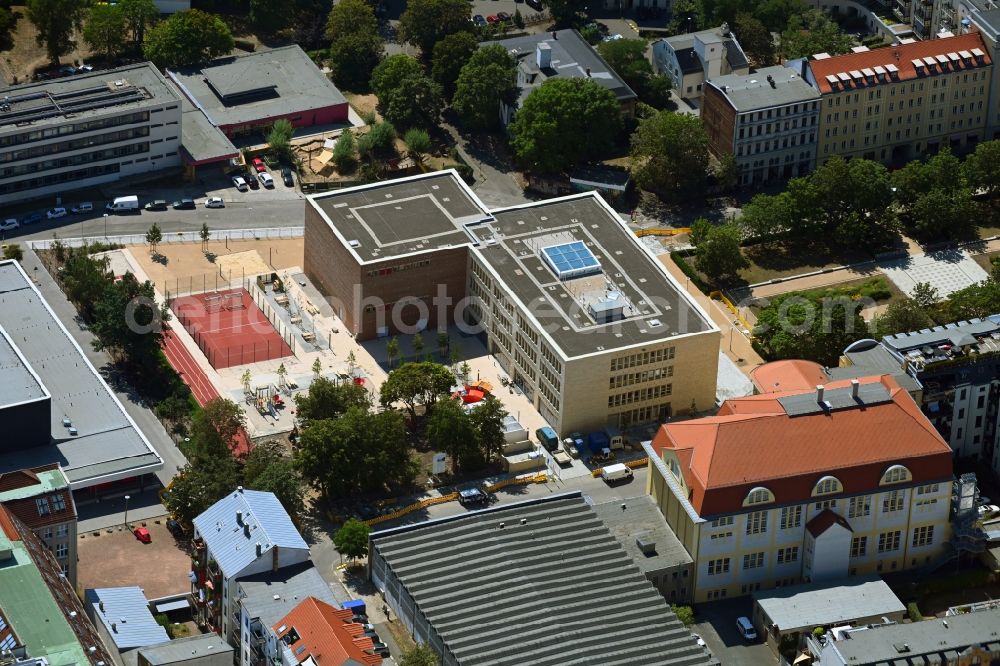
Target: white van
[[618, 472], [128, 204], [745, 627]]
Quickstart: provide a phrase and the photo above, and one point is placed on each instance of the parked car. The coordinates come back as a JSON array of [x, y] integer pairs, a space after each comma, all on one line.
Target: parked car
[[85, 207], [614, 473], [479, 20], [9, 224], [215, 202], [746, 629], [492, 19], [472, 497], [699, 640], [240, 184], [987, 510], [55, 213], [259, 165], [266, 180], [142, 534], [158, 204], [504, 17], [286, 176], [534, 4], [251, 178], [31, 218], [184, 204]]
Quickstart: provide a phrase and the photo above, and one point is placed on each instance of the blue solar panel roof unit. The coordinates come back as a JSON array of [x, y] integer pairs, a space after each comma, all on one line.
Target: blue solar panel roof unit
[[571, 260]]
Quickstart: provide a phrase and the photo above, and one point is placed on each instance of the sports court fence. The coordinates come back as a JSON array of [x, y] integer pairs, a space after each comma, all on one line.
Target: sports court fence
[[266, 233]]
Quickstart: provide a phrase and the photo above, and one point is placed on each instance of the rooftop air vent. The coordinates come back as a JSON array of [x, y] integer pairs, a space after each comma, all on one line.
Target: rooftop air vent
[[354, 243]]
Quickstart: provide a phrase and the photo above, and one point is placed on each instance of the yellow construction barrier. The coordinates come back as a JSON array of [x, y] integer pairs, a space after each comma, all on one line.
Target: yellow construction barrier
[[631, 464], [719, 296], [541, 477], [662, 231]]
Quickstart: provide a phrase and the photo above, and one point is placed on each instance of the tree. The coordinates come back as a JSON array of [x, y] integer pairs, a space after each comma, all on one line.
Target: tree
[[418, 142], [982, 168], [563, 122], [670, 155], [417, 383], [196, 487], [727, 173], [204, 234], [282, 373], [774, 13], [449, 56], [279, 139], [55, 21], [420, 655], [417, 101], [267, 469], [812, 33], [755, 39], [356, 47], [392, 350], [7, 23], [628, 58], [188, 38], [317, 367], [418, 345], [852, 200], [12, 251], [246, 379], [718, 255], [85, 279], [343, 152], [484, 83], [380, 139], [327, 399], [799, 325], [352, 362], [900, 316], [933, 198], [564, 12], [443, 342], [450, 429], [214, 429], [139, 15], [104, 30], [687, 16], [269, 17], [684, 613], [977, 300], [352, 539], [128, 323], [924, 295], [391, 73], [487, 421], [153, 237], [425, 22]]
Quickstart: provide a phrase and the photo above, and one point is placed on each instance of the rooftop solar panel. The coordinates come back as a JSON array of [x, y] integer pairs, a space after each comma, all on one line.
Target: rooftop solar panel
[[571, 260]]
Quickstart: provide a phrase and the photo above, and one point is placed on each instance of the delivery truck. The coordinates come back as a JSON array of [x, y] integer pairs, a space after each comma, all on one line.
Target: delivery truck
[[129, 204]]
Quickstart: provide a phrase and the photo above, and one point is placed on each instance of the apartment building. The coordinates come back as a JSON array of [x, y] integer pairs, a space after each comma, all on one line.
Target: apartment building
[[319, 634], [768, 121], [692, 58], [584, 319], [956, 369], [981, 16], [796, 486], [245, 533], [897, 103], [86, 130], [41, 498]]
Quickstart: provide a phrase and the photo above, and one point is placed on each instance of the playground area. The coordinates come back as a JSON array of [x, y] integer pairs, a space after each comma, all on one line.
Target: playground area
[[230, 328]]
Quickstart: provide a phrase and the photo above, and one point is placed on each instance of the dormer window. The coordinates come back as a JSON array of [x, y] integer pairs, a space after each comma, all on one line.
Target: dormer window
[[758, 496], [895, 474], [828, 485]]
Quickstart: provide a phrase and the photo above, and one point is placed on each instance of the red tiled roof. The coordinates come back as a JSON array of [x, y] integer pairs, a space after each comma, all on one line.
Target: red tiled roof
[[788, 376], [753, 442], [327, 634], [900, 56], [7, 525], [22, 478], [26, 509], [824, 520]]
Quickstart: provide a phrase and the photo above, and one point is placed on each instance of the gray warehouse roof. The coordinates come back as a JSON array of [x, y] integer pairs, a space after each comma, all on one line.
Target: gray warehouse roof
[[18, 382], [234, 525], [572, 56], [823, 604], [83, 96], [271, 596], [201, 140], [750, 92], [928, 642], [639, 518], [124, 612], [108, 445], [536, 582], [183, 649], [256, 86]]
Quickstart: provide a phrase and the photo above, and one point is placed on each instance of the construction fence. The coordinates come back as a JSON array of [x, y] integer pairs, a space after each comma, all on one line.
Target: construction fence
[[222, 236]]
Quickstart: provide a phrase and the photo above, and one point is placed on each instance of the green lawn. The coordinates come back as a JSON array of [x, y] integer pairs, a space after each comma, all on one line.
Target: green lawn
[[774, 260]]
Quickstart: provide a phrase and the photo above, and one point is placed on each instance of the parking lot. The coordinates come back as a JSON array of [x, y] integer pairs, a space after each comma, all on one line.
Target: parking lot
[[160, 567], [716, 623]]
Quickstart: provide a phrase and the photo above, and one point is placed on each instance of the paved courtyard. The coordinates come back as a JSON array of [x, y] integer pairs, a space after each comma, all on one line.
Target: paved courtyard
[[947, 271]]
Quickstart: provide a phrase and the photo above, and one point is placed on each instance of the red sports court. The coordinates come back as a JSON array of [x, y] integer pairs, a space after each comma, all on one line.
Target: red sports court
[[229, 328]]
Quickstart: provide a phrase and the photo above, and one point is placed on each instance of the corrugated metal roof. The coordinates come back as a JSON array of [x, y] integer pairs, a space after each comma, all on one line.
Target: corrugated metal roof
[[184, 649], [556, 588], [232, 542], [125, 615]]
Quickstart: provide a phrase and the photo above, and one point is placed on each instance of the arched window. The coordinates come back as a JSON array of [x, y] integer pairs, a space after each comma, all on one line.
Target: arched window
[[758, 496], [827, 485], [895, 474]]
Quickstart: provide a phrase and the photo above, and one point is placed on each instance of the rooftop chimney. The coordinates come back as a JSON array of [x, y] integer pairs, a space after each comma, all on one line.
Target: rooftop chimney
[[114, 627], [239, 517], [258, 549], [770, 79], [100, 604], [820, 389], [543, 55], [855, 387], [555, 35]]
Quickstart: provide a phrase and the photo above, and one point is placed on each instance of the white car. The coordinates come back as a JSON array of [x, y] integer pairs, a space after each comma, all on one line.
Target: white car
[[56, 213], [215, 202], [699, 640], [266, 180], [9, 224], [987, 510], [240, 184]]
